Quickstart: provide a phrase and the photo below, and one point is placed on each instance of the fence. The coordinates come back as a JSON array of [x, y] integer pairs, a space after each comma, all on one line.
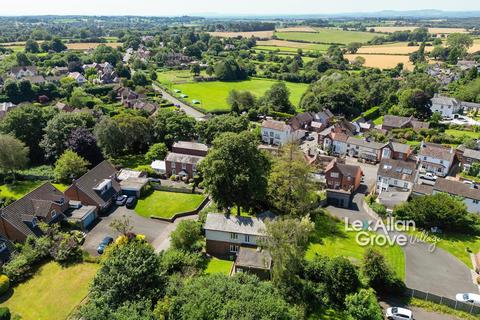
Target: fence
[[457, 305]]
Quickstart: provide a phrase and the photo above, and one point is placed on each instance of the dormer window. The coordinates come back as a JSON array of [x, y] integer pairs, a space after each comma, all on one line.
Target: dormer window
[[53, 213], [3, 246], [34, 222]]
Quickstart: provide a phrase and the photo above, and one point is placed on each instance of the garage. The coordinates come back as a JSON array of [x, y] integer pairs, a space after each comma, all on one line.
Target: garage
[[82, 216], [339, 198]]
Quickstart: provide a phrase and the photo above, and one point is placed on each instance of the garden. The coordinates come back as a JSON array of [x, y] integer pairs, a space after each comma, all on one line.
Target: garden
[[164, 204]]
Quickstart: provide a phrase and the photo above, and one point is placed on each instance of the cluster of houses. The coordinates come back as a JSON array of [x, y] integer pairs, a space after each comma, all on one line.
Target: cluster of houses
[[445, 75]]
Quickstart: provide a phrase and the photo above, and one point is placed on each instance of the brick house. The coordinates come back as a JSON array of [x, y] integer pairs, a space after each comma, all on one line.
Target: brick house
[[225, 234], [396, 122], [468, 157], [98, 187], [184, 159], [342, 181], [20, 219]]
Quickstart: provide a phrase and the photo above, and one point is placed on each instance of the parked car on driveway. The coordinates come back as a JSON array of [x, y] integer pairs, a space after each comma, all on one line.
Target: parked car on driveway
[[429, 176], [131, 202], [121, 200], [468, 297], [396, 313], [105, 242]]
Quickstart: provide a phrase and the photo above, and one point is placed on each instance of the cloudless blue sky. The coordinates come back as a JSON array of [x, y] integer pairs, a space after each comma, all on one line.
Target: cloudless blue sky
[[181, 7]]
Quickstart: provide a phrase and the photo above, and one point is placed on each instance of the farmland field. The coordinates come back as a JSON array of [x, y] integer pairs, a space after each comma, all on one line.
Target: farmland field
[[213, 95], [325, 35], [258, 34], [86, 46], [382, 61], [401, 48], [391, 29], [293, 45], [297, 29]]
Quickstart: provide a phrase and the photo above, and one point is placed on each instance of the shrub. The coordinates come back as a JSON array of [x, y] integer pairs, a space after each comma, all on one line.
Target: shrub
[[4, 284], [5, 313], [187, 236]]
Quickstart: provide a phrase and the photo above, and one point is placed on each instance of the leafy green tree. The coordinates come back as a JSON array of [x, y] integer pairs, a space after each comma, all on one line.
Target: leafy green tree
[[218, 297], [210, 129], [22, 59], [438, 210], [108, 54], [287, 240], [13, 154], [290, 188], [109, 137], [363, 306], [59, 129], [195, 69], [32, 46], [157, 151], [153, 75], [241, 101], [70, 166], [235, 171], [57, 45], [26, 123], [277, 98], [170, 126], [140, 79], [187, 236], [353, 47], [229, 70], [343, 279]]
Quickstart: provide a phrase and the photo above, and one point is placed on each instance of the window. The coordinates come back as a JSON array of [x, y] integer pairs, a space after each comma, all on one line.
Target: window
[[405, 185], [271, 134], [441, 161], [34, 222], [3, 246], [395, 182], [239, 270], [173, 165], [349, 178], [54, 214], [194, 168], [233, 236], [247, 238], [174, 171], [184, 166], [475, 201], [334, 174], [379, 178], [233, 248]]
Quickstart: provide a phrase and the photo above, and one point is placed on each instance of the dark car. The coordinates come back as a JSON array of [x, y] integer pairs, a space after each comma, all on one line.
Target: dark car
[[105, 242], [121, 200], [131, 202], [310, 138]]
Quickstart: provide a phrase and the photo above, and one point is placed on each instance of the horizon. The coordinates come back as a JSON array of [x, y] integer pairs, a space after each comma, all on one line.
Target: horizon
[[221, 8]]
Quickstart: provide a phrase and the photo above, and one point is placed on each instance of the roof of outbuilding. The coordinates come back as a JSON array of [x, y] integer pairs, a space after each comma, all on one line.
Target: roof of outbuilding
[[253, 258]]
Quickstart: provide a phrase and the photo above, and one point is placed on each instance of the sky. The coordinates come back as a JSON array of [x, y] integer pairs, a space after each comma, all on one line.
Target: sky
[[225, 7]]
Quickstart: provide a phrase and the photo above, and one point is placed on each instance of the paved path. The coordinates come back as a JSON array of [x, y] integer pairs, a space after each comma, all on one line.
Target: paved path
[[436, 272], [183, 106]]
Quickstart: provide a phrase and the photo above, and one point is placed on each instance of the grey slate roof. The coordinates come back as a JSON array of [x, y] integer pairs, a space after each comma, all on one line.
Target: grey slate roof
[[190, 145], [248, 257], [183, 158], [437, 151], [400, 147], [235, 224], [470, 153], [397, 169], [366, 144], [457, 188]]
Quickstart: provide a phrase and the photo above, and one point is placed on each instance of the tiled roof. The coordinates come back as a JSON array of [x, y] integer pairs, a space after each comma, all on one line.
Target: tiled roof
[[366, 144], [190, 145], [470, 153], [457, 188], [400, 147], [183, 158], [436, 151], [275, 125], [397, 169], [345, 169], [423, 189]]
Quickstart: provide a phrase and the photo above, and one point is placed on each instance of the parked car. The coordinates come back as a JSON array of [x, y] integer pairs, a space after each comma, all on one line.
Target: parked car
[[121, 200], [429, 176], [131, 202], [468, 297], [105, 242], [397, 313], [310, 138]]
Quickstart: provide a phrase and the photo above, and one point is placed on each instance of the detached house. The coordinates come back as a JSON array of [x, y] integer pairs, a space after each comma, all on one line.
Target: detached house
[[446, 106], [395, 122], [184, 159], [436, 158], [21, 72], [468, 157], [98, 187], [277, 132], [397, 175], [78, 77], [342, 181], [20, 219]]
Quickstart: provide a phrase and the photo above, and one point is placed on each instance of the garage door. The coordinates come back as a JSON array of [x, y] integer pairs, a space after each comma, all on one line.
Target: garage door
[[88, 220]]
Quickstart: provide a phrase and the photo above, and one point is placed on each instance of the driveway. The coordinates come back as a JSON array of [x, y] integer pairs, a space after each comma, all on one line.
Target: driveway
[[369, 170], [437, 272], [418, 313], [183, 106], [157, 232]]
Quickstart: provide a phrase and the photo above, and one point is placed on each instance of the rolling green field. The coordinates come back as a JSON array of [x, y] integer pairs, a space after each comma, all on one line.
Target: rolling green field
[[313, 47], [213, 95], [327, 36], [52, 293], [166, 204], [330, 239]]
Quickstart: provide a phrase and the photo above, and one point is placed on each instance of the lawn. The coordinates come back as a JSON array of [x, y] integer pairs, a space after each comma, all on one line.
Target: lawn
[[216, 265], [330, 239], [60, 186], [19, 189], [324, 35], [165, 204], [461, 133], [175, 76], [213, 95], [378, 120], [53, 292]]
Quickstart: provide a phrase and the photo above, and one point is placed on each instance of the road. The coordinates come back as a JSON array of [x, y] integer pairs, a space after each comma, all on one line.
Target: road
[[186, 108], [436, 272]]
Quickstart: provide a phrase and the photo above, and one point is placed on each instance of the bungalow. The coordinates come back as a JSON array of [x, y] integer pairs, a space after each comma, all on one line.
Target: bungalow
[[395, 122], [342, 181], [184, 159], [21, 72], [20, 219], [60, 71], [468, 192], [148, 107], [78, 77], [38, 79], [395, 174], [436, 158], [225, 234], [468, 157], [277, 132], [98, 187]]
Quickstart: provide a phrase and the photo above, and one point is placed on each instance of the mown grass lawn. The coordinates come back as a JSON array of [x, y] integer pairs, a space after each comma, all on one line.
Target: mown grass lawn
[[325, 35], [330, 239], [19, 188], [165, 204], [213, 95], [461, 133], [216, 265], [53, 292]]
